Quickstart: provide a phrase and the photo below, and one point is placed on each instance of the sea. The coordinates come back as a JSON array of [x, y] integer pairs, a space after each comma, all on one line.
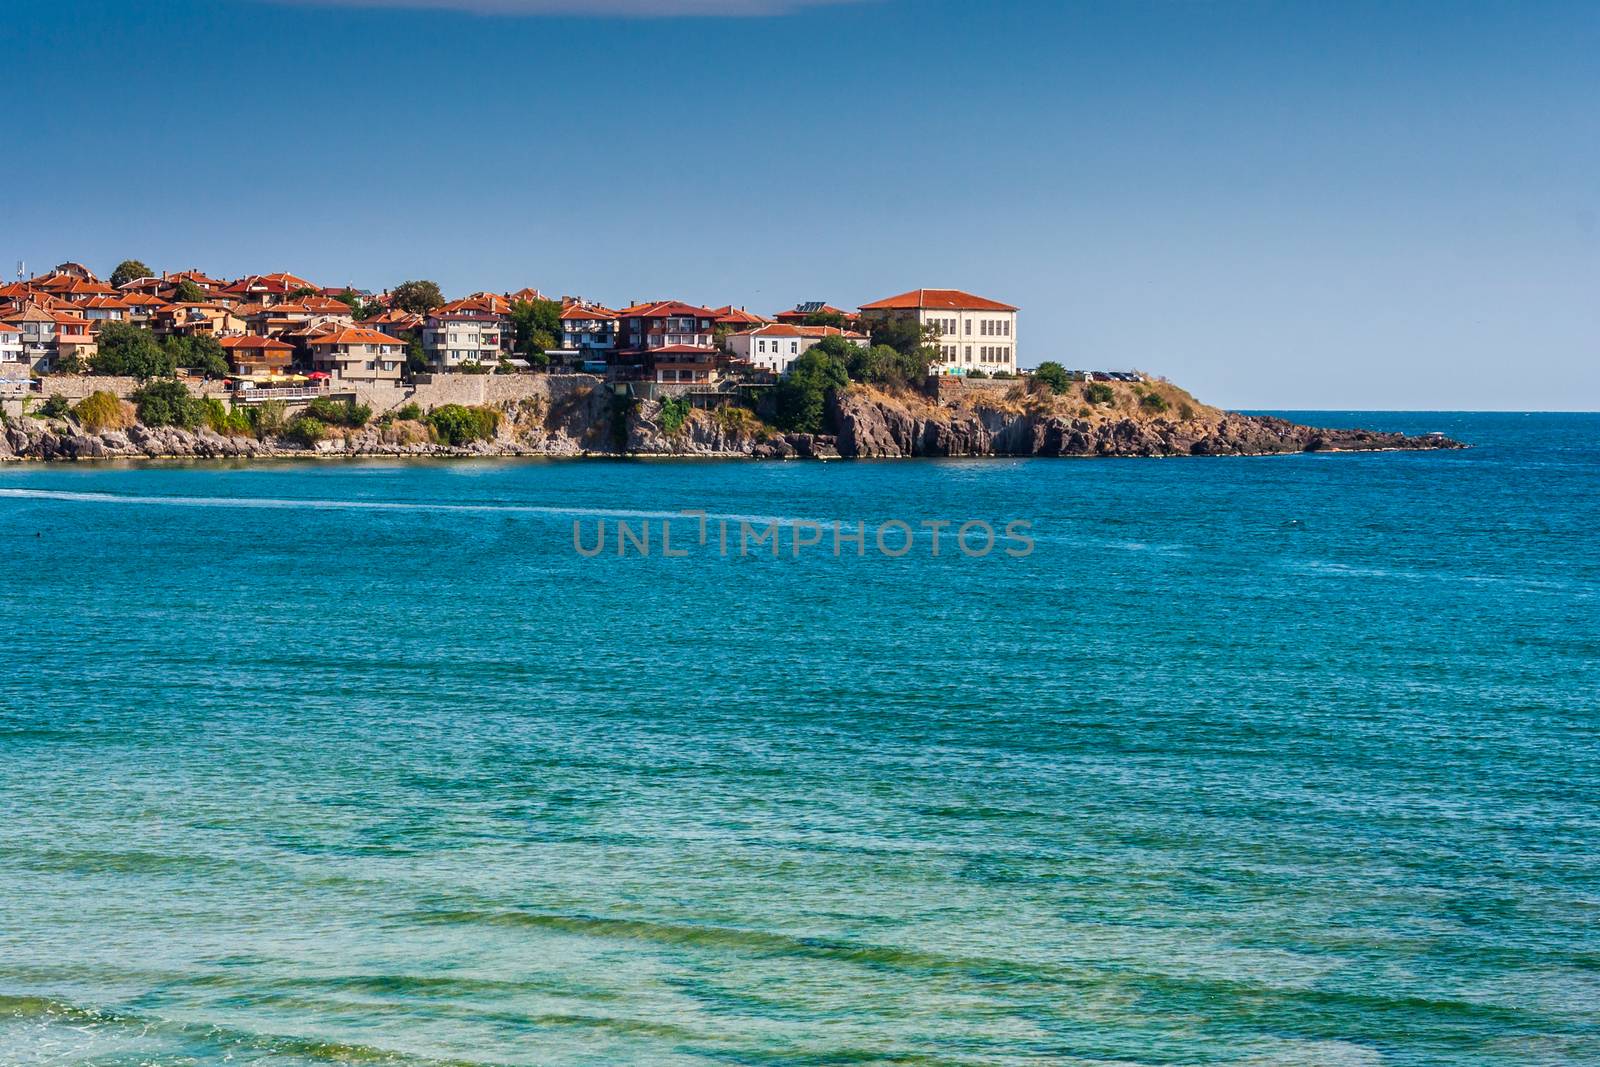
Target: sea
[[1268, 761]]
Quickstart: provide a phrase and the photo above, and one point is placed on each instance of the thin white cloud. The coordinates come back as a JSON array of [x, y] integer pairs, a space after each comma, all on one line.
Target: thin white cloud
[[611, 8]]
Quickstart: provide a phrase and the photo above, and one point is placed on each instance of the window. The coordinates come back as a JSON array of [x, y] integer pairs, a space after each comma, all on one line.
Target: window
[[794, 346], [1008, 327], [969, 327]]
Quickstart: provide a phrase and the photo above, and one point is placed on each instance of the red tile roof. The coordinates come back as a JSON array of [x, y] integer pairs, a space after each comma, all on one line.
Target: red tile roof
[[936, 300], [255, 341], [733, 316], [575, 310], [357, 335], [789, 329], [660, 309]]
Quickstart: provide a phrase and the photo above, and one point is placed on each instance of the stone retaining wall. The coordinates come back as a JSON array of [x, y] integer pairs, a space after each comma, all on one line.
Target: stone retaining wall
[[945, 388]]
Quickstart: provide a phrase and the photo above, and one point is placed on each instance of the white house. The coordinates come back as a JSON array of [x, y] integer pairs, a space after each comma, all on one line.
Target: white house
[[588, 333], [775, 346], [465, 331], [973, 332]]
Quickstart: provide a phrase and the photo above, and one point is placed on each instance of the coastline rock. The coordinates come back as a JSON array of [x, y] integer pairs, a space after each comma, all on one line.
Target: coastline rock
[[869, 423]]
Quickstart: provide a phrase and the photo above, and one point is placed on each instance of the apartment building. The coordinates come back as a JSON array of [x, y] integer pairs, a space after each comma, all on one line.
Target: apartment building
[[973, 332], [588, 334], [470, 331], [357, 355], [667, 341]]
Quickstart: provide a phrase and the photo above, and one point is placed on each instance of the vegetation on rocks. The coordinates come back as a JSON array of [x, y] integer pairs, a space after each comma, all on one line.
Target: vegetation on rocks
[[165, 402], [674, 412], [1053, 375], [101, 411], [304, 432], [333, 412], [456, 424]]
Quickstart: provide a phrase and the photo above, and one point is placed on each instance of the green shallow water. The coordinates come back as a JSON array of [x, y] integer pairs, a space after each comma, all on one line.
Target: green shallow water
[[1279, 761]]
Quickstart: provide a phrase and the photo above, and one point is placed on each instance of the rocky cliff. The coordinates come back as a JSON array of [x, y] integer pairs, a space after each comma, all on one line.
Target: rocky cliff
[[871, 423], [1146, 419]]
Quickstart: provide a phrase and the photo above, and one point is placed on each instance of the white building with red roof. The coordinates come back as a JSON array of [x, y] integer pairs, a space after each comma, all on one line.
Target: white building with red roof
[[775, 346], [472, 331], [588, 333], [971, 332]]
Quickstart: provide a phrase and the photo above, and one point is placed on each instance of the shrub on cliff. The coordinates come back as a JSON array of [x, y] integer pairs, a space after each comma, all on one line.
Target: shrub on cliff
[[1053, 375], [54, 408], [454, 424], [1098, 393], [977, 374], [339, 412], [1152, 402], [223, 420], [101, 411], [674, 413], [409, 413], [303, 431], [165, 402], [267, 419]]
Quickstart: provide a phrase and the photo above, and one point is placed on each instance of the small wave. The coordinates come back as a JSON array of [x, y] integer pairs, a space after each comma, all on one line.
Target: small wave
[[323, 504]]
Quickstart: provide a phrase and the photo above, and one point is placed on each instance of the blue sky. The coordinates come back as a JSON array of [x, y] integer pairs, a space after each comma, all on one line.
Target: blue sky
[[1277, 204]]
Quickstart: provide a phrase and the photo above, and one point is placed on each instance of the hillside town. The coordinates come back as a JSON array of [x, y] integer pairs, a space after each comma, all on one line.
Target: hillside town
[[279, 333]]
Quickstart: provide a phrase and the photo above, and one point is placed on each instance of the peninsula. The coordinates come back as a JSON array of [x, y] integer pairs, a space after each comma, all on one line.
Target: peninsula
[[187, 365]]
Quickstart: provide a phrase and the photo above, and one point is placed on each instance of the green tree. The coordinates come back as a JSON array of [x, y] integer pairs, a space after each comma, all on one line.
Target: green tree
[[825, 318], [187, 292], [71, 363], [167, 402], [536, 325], [417, 297], [905, 335], [55, 408], [128, 270], [303, 292], [800, 397], [126, 349], [351, 299], [200, 353], [1053, 375], [304, 431], [1098, 393], [416, 358]]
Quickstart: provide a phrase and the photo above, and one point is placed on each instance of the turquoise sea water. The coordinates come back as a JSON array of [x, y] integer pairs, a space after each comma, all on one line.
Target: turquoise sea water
[[1258, 761]]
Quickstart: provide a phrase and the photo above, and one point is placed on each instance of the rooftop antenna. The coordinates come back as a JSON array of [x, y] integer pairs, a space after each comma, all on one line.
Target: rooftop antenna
[[22, 269]]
